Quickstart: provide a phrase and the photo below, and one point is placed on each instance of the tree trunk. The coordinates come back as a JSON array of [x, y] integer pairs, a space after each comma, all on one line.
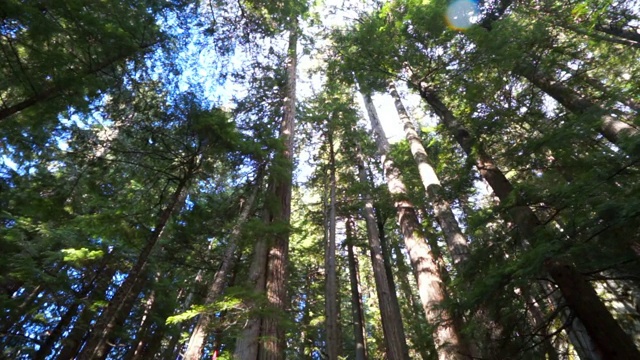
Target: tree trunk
[[525, 219], [247, 342], [611, 128], [356, 300], [273, 332], [98, 345], [426, 270], [331, 280], [456, 242], [72, 310], [392, 326], [611, 341], [73, 342], [142, 337], [196, 341], [58, 90]]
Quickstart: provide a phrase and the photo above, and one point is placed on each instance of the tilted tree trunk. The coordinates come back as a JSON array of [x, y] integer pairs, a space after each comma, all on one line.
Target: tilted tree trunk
[[611, 127], [391, 317], [457, 243], [356, 300], [525, 219], [331, 280], [54, 90], [145, 327], [73, 342], [612, 341], [430, 285], [196, 341], [72, 310], [98, 345]]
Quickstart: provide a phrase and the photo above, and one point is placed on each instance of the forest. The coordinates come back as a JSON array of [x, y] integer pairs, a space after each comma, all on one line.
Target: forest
[[287, 179]]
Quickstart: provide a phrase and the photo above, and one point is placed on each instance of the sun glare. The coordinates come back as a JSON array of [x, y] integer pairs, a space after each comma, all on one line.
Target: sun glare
[[461, 14]]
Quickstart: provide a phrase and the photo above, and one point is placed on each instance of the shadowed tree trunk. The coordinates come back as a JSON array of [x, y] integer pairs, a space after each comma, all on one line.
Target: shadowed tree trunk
[[331, 280], [263, 337], [98, 346], [272, 333], [72, 311], [611, 340], [392, 326], [610, 127], [196, 341], [356, 300]]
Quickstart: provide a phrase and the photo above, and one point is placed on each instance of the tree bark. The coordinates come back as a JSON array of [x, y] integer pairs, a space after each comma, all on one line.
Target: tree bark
[[196, 341], [456, 242], [98, 345], [430, 286], [392, 326], [273, 343], [611, 341], [331, 280], [525, 219], [611, 127], [356, 300], [73, 342], [72, 310]]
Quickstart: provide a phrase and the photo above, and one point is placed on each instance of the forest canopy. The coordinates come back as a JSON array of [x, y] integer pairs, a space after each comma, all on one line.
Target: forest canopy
[[270, 180]]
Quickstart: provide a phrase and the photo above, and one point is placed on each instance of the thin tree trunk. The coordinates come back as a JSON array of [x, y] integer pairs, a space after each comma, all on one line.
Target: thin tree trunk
[[426, 270], [247, 342], [58, 90], [73, 342], [356, 300], [414, 312], [98, 345], [63, 324], [144, 329], [392, 326], [331, 280], [199, 333]]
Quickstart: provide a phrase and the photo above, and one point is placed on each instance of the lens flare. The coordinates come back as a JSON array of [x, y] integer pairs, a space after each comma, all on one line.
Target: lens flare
[[462, 14]]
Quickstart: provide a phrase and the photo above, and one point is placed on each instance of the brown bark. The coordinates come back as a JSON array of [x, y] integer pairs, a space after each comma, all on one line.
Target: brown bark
[[54, 336], [457, 243], [263, 338], [611, 340], [356, 300], [273, 343], [424, 263], [73, 342], [196, 341], [611, 127], [331, 280], [525, 219], [142, 337], [98, 343], [389, 310]]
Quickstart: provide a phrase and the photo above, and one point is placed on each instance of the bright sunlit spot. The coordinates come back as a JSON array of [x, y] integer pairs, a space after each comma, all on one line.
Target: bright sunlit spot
[[461, 14]]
